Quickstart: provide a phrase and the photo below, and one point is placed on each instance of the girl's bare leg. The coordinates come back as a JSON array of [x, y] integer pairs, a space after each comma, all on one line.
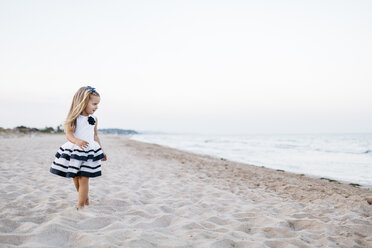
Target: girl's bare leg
[[83, 191], [76, 182]]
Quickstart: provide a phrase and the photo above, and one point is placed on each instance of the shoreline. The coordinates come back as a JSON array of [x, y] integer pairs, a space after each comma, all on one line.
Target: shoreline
[[330, 179], [154, 196], [242, 166]]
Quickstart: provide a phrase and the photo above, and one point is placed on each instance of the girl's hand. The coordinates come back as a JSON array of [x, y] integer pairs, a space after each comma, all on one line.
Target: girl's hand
[[105, 157], [81, 143]]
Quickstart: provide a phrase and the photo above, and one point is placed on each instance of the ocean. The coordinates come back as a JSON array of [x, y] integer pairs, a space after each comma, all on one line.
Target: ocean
[[343, 157]]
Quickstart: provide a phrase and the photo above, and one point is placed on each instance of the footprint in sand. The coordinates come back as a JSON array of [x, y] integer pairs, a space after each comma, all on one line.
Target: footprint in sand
[[310, 225], [162, 221]]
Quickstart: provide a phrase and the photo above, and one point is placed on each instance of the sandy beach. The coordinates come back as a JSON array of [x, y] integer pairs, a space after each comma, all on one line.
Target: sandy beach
[[154, 196]]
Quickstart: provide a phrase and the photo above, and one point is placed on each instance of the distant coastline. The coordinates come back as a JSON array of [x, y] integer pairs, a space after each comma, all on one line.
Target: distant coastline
[[30, 130], [117, 131], [27, 130]]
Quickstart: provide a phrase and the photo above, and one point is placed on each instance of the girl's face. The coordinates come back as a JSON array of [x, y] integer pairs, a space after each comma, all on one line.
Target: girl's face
[[92, 105]]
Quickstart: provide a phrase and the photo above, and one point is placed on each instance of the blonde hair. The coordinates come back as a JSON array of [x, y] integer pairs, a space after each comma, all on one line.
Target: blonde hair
[[79, 103]]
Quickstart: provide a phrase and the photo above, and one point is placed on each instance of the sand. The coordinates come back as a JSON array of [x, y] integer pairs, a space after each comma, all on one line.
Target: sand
[[154, 196]]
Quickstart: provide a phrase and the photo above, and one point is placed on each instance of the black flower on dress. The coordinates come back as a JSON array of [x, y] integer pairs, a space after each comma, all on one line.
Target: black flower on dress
[[91, 120]]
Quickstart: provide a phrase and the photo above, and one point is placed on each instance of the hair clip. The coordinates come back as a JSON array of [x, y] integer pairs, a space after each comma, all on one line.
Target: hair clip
[[91, 89]]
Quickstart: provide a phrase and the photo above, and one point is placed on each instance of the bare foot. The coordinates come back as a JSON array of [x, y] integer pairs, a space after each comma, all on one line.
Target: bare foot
[[87, 201], [80, 207]]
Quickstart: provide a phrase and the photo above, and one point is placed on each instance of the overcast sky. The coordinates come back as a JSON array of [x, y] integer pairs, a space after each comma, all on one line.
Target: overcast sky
[[190, 66]]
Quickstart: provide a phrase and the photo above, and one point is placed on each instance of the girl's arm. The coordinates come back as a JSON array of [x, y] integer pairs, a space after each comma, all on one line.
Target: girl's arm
[[97, 139], [70, 137]]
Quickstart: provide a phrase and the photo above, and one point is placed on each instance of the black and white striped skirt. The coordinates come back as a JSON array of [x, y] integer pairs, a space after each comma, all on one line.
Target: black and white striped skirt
[[72, 161]]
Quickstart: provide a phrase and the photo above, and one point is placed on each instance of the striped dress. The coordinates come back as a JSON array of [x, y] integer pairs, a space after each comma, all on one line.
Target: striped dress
[[71, 160]]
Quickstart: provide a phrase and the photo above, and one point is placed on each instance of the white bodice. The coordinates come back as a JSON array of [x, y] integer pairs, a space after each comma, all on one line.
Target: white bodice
[[84, 130]]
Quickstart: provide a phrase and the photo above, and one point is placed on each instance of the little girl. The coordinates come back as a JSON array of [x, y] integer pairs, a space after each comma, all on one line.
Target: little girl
[[81, 156]]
